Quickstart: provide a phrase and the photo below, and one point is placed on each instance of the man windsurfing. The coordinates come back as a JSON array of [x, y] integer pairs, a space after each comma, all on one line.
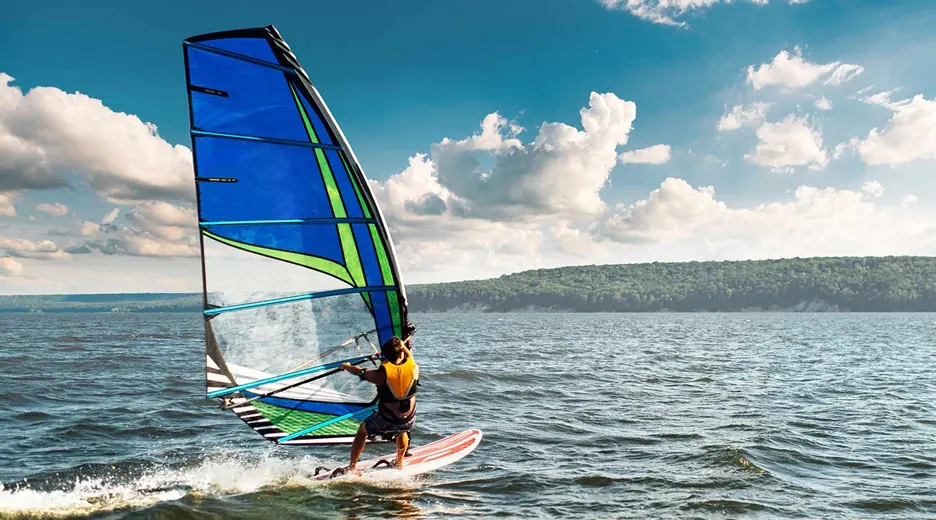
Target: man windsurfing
[[396, 382]]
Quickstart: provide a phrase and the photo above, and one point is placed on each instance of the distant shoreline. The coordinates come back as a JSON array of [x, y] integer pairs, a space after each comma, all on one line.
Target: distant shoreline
[[838, 284]]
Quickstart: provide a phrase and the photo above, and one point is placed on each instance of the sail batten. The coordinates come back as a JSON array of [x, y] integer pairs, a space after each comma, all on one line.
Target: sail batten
[[263, 139], [311, 220], [239, 56], [289, 299], [296, 255]]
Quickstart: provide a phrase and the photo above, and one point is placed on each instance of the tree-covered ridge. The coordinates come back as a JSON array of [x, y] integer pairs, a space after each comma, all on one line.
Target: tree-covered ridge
[[843, 283], [121, 302]]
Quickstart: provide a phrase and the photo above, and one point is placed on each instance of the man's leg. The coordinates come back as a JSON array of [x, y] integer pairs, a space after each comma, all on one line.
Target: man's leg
[[358, 445], [402, 442]]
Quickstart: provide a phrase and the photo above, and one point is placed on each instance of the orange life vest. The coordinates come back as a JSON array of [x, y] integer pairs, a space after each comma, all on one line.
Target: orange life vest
[[401, 382]]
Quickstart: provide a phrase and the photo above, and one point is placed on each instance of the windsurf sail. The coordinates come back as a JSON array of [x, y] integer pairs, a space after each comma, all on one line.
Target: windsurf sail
[[298, 267]]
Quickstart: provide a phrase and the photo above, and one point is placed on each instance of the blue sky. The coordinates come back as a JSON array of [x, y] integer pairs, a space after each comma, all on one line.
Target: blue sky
[[400, 78]]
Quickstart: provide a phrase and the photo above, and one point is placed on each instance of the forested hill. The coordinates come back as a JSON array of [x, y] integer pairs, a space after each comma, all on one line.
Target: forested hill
[[807, 284], [844, 284]]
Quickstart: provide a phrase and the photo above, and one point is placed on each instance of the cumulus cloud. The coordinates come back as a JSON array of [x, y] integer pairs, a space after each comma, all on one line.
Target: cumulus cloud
[[667, 12], [675, 209], [824, 103], [909, 135], [559, 173], [873, 188], [789, 143], [40, 250], [111, 216], [792, 71], [56, 208], [87, 228], [847, 146], [817, 221], [882, 99], [656, 154], [47, 132], [493, 201], [6, 204], [743, 115], [10, 267], [159, 229], [843, 73]]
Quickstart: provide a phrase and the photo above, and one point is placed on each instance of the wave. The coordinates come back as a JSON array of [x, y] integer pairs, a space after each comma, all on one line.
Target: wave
[[91, 490]]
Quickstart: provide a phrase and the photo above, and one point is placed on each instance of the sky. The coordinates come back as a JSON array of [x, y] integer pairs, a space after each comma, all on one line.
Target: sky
[[496, 136]]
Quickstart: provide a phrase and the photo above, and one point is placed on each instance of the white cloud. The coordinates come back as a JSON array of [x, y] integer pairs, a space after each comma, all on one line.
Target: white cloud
[[111, 216], [675, 208], [6, 204], [873, 188], [560, 173], [164, 220], [48, 132], [844, 73], [492, 202], [10, 267], [792, 71], [816, 222], [908, 201], [824, 103], [56, 208], [743, 115], [847, 146], [158, 229], [666, 12], [87, 228], [656, 154], [910, 134], [41, 250], [789, 143], [882, 99]]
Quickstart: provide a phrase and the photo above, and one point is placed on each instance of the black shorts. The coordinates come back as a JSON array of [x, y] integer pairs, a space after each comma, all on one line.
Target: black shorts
[[377, 424]]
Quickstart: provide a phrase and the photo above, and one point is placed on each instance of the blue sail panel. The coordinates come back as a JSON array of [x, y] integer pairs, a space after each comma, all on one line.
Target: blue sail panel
[[382, 316], [317, 240], [247, 99], [369, 260], [273, 181]]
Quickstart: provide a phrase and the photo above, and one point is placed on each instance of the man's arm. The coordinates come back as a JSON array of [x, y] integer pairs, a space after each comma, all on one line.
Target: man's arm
[[371, 376]]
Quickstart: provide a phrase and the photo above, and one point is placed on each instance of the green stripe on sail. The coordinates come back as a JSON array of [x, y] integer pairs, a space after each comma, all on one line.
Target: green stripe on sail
[[305, 117], [382, 259], [357, 188], [394, 304], [334, 196], [348, 244], [352, 259], [313, 262], [292, 421]]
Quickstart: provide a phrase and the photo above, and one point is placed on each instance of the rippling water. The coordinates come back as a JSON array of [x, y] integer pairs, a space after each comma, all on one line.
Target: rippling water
[[585, 416]]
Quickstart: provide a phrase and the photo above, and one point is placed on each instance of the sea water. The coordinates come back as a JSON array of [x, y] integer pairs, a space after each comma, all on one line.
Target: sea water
[[584, 416]]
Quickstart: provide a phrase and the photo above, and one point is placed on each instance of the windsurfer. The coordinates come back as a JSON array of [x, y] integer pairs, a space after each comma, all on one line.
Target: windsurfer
[[396, 380]]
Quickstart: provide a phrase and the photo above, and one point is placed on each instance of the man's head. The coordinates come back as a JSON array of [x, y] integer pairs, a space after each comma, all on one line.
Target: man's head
[[392, 349]]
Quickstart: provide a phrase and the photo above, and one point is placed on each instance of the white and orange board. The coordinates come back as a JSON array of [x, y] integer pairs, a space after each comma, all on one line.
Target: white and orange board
[[422, 459]]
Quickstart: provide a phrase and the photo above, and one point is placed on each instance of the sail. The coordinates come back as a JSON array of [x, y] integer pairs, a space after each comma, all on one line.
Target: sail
[[298, 267]]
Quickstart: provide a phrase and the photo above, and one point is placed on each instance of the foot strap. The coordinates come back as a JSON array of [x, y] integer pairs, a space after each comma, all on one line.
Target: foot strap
[[382, 462], [338, 472]]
